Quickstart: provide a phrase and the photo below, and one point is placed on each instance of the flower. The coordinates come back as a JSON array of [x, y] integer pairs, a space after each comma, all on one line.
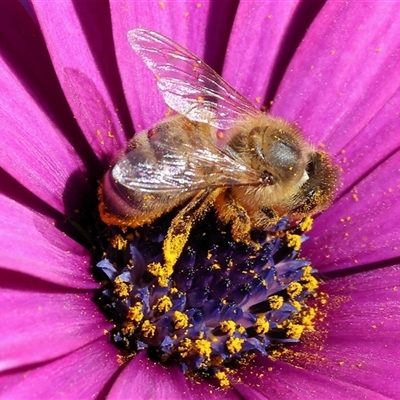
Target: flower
[[71, 90]]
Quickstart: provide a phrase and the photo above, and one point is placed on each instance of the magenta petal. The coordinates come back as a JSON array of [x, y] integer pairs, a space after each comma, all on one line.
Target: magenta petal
[[281, 381], [32, 149], [43, 324], [258, 51], [362, 344], [248, 392], [199, 389], [79, 375], [23, 48], [344, 72], [362, 221], [182, 21], [83, 56], [342, 87], [372, 146], [149, 380], [363, 340], [32, 244], [361, 228]]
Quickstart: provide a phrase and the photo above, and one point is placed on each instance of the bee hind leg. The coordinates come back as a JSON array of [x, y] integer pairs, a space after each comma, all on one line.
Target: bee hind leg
[[230, 211], [182, 224]]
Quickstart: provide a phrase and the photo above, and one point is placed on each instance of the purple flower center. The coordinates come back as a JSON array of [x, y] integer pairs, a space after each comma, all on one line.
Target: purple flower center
[[222, 302]]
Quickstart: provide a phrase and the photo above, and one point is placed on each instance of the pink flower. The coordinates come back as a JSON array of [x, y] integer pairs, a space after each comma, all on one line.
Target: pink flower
[[73, 91]]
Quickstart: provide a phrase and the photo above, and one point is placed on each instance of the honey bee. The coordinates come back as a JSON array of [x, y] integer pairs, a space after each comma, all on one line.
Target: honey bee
[[219, 152]]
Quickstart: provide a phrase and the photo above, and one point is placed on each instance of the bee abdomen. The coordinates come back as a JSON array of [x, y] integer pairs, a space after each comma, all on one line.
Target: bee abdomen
[[125, 207]]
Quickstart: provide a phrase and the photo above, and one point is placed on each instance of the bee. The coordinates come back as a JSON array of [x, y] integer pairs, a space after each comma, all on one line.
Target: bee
[[219, 151]]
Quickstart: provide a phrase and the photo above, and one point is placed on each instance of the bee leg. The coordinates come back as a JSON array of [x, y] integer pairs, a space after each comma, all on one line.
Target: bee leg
[[230, 211], [181, 225]]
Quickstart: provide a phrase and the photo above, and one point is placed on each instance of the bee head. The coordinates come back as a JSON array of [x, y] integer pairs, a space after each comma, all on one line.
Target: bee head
[[283, 152], [274, 148], [316, 193], [278, 152]]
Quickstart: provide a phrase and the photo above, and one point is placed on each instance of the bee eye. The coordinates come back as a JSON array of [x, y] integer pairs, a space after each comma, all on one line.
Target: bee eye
[[283, 153]]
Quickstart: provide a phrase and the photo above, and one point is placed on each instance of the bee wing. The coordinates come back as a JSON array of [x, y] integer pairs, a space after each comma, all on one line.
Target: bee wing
[[188, 85], [168, 165]]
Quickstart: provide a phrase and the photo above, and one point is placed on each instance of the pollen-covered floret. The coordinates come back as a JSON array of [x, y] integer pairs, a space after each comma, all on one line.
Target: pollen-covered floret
[[222, 301]]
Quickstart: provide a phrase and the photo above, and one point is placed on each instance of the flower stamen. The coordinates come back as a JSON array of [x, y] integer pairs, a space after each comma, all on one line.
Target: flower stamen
[[222, 302]]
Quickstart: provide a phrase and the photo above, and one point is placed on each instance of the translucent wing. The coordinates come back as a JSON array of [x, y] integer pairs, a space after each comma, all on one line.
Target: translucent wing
[[189, 86], [181, 163]]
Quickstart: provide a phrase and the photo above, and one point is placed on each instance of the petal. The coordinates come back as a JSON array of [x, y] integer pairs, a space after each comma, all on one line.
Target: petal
[[78, 37], [203, 388], [362, 227], [351, 51], [152, 380], [41, 323], [360, 345], [32, 244], [281, 381], [81, 374], [251, 49], [33, 150], [24, 51], [372, 146], [182, 21]]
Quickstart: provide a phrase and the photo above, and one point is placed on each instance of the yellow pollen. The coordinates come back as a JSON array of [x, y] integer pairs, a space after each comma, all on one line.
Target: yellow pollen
[[172, 248], [241, 329], [181, 320], [228, 327], [294, 289], [148, 329], [162, 273], [148, 197], [121, 288], [203, 348], [184, 347], [128, 328], [294, 241], [118, 242], [223, 379], [163, 305], [296, 304], [276, 302], [234, 345], [307, 271], [261, 326], [135, 313], [310, 283], [306, 224], [308, 318], [295, 331], [121, 360]]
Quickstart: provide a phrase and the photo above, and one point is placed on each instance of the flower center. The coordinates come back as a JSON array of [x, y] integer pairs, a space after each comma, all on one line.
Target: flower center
[[223, 301]]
